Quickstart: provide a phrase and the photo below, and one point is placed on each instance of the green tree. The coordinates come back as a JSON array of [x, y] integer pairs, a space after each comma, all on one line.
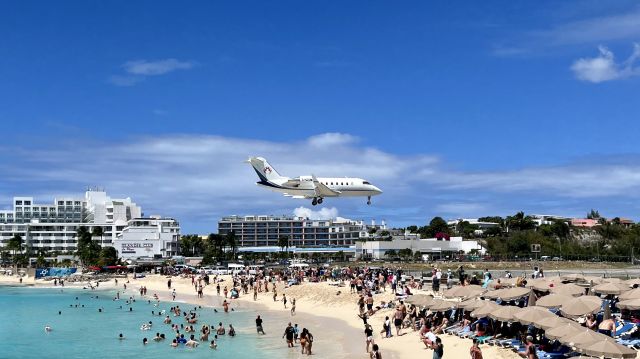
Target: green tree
[[108, 256], [405, 253], [593, 214], [88, 249], [15, 244], [412, 229], [492, 219], [390, 253], [283, 243], [230, 241], [520, 222]]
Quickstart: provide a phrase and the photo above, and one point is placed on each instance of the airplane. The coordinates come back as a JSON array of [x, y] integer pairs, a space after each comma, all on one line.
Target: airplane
[[311, 187]]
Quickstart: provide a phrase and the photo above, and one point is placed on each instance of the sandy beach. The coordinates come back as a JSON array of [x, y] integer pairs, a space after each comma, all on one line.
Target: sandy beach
[[328, 311]]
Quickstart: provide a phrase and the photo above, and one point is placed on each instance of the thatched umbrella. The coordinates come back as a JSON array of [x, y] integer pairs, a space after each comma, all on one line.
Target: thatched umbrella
[[543, 284], [467, 291], [514, 293], [632, 294], [573, 277], [607, 347], [532, 299], [439, 305], [471, 304], [584, 337], [580, 306], [529, 314], [632, 282], [594, 279], [631, 304], [420, 300], [493, 294], [505, 313], [484, 310], [553, 300], [547, 323], [567, 328], [610, 288], [568, 289]]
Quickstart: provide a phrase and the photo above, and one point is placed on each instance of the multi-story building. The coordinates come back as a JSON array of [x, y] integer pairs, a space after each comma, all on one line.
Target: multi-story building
[[263, 231], [52, 227]]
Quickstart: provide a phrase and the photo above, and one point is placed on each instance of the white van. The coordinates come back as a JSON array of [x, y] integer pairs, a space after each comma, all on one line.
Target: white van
[[254, 269], [235, 268]]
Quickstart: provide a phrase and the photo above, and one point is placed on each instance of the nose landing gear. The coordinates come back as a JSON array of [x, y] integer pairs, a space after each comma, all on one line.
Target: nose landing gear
[[369, 200]]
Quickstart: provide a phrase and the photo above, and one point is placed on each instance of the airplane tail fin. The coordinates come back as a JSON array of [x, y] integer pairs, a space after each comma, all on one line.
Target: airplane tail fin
[[265, 171]]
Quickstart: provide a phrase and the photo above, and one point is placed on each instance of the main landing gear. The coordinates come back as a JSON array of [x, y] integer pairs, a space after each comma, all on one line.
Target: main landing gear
[[369, 200], [316, 200]]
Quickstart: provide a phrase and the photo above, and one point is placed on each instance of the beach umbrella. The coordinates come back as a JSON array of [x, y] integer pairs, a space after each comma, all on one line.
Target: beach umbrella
[[439, 305], [504, 282], [493, 294], [542, 284], [568, 289], [419, 300], [586, 336], [632, 282], [532, 299], [554, 321], [606, 347], [574, 277], [612, 280], [565, 329], [580, 306], [484, 310], [632, 294], [529, 314], [553, 300], [594, 279], [631, 304], [514, 293], [505, 313], [471, 304], [610, 288], [464, 291]]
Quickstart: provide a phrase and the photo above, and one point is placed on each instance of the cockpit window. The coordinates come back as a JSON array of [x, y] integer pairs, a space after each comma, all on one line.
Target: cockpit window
[[365, 182]]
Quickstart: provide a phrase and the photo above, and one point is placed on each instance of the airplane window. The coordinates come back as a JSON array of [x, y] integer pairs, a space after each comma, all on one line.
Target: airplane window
[[365, 182]]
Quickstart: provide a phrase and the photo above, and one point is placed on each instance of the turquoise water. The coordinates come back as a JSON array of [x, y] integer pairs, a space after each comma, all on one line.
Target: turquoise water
[[86, 333]]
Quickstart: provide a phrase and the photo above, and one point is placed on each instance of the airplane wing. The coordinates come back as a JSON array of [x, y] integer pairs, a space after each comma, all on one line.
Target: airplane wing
[[322, 190], [295, 196]]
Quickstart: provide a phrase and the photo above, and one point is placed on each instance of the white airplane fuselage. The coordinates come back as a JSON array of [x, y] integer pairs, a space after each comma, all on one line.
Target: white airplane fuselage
[[312, 187]]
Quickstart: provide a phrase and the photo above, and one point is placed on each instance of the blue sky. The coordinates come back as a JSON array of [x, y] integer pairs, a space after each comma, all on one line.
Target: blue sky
[[457, 109]]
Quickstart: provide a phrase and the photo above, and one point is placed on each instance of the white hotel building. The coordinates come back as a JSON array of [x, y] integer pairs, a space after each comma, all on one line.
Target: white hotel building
[[52, 227]]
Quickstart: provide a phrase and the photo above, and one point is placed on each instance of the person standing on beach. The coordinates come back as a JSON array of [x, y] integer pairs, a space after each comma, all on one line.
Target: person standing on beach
[[438, 349], [397, 320], [475, 351], [375, 352], [288, 333], [259, 325], [169, 283], [368, 333], [293, 306], [218, 288], [173, 294]]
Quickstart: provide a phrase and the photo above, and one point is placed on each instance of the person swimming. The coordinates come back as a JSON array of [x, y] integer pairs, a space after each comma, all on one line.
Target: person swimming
[[232, 331], [47, 328]]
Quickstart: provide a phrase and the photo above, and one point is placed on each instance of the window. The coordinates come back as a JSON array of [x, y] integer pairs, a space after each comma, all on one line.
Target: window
[[19, 203], [365, 182]]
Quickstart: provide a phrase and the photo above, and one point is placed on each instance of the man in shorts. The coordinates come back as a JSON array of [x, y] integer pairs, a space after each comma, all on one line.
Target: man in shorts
[[288, 333], [398, 316]]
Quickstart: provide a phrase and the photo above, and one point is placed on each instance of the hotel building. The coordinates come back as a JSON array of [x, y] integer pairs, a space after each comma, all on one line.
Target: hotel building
[[52, 227]]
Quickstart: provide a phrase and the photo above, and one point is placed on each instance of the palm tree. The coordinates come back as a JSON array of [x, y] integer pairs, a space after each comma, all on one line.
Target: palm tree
[[15, 244], [231, 243], [283, 243]]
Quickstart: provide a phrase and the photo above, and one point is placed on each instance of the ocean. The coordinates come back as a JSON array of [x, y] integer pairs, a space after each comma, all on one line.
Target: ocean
[[84, 332]]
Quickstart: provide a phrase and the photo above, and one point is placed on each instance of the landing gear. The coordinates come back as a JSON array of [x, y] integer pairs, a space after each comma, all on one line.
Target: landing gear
[[320, 200], [369, 200], [316, 200]]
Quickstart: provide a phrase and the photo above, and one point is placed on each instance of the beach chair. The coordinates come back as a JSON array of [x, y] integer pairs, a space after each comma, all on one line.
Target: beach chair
[[625, 329]]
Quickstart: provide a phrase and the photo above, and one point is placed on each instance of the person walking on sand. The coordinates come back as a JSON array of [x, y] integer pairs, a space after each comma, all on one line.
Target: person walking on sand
[[397, 320], [375, 352], [293, 306], [284, 300], [368, 333], [475, 351], [173, 294]]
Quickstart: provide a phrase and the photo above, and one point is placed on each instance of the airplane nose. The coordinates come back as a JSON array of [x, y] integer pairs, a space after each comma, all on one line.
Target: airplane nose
[[377, 190]]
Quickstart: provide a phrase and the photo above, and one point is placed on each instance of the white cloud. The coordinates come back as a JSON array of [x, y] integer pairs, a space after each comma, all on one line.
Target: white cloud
[[157, 67], [199, 178], [322, 213], [604, 68]]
